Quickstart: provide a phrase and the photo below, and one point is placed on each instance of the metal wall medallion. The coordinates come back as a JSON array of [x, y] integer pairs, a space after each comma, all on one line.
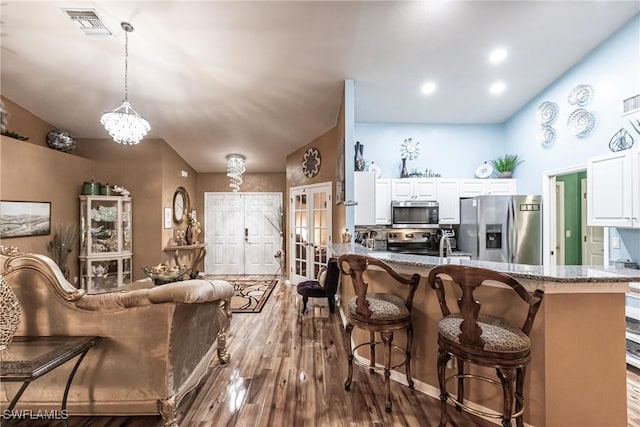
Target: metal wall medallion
[[547, 136], [581, 95], [581, 123], [547, 113], [311, 163], [621, 140]]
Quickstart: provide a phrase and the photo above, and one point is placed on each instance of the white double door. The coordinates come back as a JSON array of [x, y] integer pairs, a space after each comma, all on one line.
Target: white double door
[[239, 234], [310, 238]]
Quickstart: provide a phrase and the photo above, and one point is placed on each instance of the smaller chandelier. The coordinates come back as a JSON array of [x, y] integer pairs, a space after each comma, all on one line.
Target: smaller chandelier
[[235, 169], [124, 124]]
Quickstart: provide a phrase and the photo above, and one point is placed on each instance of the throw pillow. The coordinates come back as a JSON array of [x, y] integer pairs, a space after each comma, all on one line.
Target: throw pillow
[[322, 276]]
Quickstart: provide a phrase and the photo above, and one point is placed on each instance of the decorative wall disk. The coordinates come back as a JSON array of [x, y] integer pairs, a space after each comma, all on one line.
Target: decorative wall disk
[[621, 140], [547, 135], [581, 95], [311, 162], [547, 113], [581, 123]]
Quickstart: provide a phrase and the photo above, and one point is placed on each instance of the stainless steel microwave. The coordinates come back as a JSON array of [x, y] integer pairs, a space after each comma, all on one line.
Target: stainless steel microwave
[[414, 214]]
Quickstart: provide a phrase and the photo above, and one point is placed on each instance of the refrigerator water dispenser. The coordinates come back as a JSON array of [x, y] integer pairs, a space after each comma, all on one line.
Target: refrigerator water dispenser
[[493, 239]]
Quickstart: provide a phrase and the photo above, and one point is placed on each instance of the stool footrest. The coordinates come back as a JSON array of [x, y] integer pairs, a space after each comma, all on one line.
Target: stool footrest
[[475, 411], [378, 368]]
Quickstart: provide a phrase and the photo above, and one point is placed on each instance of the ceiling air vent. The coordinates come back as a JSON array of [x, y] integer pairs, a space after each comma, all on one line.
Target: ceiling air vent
[[631, 105], [88, 22]]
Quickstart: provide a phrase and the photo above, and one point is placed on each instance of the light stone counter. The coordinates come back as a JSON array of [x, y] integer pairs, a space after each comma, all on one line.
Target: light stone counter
[[556, 279]]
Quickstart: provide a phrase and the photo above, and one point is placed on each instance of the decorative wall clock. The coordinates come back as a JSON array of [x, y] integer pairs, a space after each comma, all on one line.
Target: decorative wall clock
[[410, 149], [311, 162]]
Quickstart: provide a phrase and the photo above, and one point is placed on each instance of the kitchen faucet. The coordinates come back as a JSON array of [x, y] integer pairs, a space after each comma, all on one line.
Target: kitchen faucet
[[445, 251]]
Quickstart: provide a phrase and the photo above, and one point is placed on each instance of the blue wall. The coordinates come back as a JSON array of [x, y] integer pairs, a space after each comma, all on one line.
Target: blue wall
[[613, 70], [454, 151]]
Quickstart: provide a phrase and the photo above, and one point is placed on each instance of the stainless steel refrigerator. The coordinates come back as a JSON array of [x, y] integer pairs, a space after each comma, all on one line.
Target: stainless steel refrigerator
[[502, 228]]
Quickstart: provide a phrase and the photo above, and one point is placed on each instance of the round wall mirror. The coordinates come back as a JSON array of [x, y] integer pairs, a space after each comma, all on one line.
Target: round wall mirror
[[180, 205]]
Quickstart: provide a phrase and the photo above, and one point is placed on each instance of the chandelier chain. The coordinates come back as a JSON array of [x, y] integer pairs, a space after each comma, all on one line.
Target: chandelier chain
[[126, 65]]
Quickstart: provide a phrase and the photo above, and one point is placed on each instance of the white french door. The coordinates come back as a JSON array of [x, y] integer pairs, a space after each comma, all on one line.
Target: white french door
[[239, 235], [310, 237]]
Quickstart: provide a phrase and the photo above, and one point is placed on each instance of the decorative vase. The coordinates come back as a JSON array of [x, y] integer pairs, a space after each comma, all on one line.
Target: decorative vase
[[404, 173], [505, 175], [187, 235], [358, 160], [9, 313]]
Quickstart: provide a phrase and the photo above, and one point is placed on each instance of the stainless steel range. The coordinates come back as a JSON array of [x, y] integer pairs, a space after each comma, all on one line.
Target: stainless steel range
[[414, 241]]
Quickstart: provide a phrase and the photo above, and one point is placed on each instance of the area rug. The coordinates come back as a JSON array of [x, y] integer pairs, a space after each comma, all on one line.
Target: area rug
[[251, 295]]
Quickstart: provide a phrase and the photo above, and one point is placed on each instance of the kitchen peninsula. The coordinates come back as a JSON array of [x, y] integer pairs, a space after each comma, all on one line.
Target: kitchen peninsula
[[577, 374]]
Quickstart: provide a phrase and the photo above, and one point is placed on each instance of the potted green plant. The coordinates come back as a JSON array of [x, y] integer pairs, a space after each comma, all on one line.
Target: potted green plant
[[505, 165]]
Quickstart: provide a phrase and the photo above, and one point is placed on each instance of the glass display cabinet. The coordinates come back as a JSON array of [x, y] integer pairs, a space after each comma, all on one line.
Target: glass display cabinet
[[105, 242]]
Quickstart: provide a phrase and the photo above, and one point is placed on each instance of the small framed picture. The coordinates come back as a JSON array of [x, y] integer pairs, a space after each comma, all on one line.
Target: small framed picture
[[22, 219], [167, 217]]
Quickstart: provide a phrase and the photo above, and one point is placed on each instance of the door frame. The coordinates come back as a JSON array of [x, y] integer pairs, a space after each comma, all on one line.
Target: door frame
[[291, 225], [279, 194], [558, 257], [549, 213]]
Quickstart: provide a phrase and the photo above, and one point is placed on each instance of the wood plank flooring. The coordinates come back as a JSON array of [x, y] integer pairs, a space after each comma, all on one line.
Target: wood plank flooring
[[288, 369]]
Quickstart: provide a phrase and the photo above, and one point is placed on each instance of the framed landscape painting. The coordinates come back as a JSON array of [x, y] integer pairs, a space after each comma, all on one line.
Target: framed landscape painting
[[21, 219]]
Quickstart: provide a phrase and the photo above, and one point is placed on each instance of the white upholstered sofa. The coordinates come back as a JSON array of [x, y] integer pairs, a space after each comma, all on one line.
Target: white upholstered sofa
[[158, 342]]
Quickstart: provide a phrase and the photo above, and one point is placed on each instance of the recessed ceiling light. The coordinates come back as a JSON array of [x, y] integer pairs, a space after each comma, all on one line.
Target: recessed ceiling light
[[497, 55], [497, 88], [428, 88]]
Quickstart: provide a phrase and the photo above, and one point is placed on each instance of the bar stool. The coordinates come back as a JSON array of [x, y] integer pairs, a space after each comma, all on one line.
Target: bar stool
[[384, 313], [482, 340]]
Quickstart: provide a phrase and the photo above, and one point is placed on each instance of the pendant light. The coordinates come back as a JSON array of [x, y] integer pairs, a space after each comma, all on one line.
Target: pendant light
[[124, 124]]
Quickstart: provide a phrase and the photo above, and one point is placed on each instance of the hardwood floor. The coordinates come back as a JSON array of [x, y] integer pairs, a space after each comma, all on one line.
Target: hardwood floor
[[288, 369]]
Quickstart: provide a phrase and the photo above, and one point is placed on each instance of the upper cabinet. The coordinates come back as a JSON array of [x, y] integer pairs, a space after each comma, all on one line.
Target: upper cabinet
[[449, 201], [383, 201], [480, 187], [613, 190], [414, 189], [364, 190]]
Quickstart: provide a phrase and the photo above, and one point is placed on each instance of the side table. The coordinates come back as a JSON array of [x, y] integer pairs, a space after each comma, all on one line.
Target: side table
[[199, 249], [28, 358]]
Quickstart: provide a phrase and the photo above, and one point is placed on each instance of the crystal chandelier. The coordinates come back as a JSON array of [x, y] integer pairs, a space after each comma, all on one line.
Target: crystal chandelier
[[235, 169], [124, 124]]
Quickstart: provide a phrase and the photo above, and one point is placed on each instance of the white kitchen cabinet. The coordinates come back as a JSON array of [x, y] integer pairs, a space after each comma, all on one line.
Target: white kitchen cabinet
[[480, 187], [383, 201], [614, 190], [449, 200], [414, 189], [364, 190]]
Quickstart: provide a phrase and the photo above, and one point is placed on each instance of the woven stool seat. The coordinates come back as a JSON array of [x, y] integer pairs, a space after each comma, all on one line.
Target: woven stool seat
[[498, 335], [384, 308]]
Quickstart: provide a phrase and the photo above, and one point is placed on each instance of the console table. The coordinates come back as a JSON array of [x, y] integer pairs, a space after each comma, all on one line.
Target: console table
[[28, 358], [198, 251]]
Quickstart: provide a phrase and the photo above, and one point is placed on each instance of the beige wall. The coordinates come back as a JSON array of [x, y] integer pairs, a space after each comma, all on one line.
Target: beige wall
[[23, 122], [331, 147], [30, 172]]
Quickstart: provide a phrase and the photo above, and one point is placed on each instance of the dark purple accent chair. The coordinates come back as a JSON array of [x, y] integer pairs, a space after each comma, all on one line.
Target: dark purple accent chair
[[312, 288]]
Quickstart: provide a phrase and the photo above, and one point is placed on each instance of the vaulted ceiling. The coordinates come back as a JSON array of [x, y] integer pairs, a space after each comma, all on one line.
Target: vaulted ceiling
[[263, 78]]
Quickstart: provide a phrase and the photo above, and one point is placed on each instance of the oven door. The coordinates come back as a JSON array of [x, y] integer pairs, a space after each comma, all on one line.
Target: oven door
[[414, 214]]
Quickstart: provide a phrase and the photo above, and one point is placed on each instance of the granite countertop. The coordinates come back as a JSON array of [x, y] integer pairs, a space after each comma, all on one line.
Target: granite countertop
[[560, 273]]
